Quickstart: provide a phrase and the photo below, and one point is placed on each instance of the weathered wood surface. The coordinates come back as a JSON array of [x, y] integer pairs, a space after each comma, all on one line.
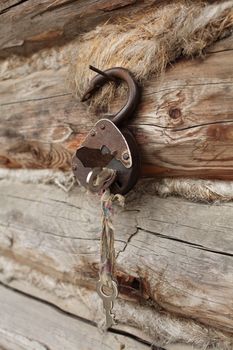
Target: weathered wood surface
[[183, 127], [175, 255], [174, 258], [50, 22], [30, 324], [27, 324]]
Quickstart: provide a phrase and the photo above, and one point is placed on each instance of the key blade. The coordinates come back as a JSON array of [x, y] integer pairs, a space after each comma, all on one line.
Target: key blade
[[109, 320], [110, 316], [108, 304]]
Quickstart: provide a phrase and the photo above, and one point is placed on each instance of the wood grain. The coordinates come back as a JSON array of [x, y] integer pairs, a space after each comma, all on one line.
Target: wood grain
[[35, 324], [183, 126], [49, 23], [28, 324], [173, 254]]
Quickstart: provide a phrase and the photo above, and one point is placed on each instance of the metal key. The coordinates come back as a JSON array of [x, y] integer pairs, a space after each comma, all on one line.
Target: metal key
[[108, 300], [106, 178]]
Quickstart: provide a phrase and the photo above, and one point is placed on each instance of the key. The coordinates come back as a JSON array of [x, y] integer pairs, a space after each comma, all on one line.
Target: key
[[105, 176], [108, 300]]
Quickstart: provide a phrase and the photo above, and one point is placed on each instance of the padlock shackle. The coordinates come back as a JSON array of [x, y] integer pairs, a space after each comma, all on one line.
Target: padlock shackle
[[113, 74]]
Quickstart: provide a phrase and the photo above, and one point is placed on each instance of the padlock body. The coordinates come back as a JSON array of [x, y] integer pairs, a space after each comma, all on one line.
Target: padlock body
[[108, 147]]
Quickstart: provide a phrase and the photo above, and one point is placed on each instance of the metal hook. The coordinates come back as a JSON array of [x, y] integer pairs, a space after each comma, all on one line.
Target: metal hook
[[113, 74], [101, 72]]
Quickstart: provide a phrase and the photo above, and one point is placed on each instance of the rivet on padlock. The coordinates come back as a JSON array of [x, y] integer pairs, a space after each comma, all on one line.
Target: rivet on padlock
[[106, 146]]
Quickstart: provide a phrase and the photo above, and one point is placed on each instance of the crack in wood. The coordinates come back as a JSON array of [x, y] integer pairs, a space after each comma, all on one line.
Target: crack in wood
[[126, 243], [35, 99], [82, 319], [174, 129], [10, 7], [194, 245]]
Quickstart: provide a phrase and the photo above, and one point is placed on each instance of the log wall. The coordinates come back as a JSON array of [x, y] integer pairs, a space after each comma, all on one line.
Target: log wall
[[183, 126], [174, 257], [173, 254]]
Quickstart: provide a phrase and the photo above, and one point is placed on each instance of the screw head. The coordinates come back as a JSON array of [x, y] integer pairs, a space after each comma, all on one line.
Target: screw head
[[102, 126], [92, 132], [74, 167], [126, 156]]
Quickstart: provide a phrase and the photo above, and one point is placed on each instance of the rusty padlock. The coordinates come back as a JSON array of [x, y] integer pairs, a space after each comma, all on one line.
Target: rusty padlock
[[107, 147]]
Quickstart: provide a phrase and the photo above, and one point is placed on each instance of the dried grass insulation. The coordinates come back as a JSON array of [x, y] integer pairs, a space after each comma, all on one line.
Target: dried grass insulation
[[146, 42]]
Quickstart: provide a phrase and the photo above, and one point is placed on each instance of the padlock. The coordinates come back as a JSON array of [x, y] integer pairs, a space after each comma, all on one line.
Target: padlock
[[110, 147]]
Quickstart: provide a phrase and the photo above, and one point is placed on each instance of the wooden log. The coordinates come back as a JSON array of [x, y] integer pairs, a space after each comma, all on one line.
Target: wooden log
[[36, 323], [173, 258], [49, 23], [32, 325], [183, 125], [175, 255]]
